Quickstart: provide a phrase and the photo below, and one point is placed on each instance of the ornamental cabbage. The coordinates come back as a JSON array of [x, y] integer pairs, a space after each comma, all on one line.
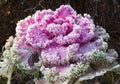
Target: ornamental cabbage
[[67, 46]]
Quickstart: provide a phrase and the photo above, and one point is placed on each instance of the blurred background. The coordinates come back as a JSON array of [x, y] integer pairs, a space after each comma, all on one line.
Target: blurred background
[[105, 13]]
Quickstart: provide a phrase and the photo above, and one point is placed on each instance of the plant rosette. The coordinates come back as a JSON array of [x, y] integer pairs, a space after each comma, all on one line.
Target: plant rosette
[[64, 46]]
